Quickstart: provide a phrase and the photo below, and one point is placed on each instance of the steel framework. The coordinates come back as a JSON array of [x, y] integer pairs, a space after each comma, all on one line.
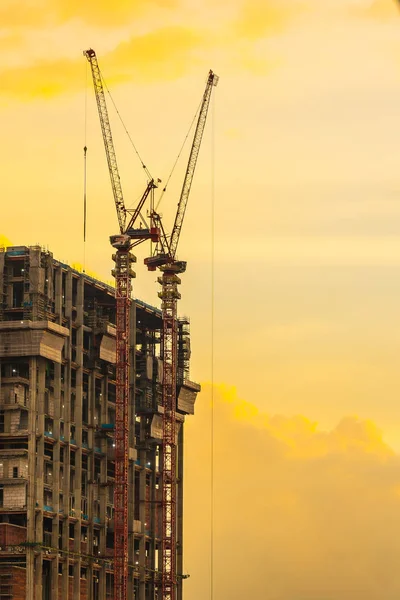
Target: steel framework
[[123, 301], [123, 242], [169, 295], [165, 259]]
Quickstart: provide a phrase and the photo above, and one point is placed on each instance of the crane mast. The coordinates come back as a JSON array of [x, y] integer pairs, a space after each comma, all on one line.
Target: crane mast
[[123, 273], [123, 302], [164, 259]]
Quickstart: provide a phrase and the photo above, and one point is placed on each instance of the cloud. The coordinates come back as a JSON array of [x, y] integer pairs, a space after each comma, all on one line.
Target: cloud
[[34, 13], [299, 513], [105, 13], [257, 65], [166, 53], [383, 8], [378, 9], [174, 43], [10, 41], [44, 79], [260, 18], [20, 13]]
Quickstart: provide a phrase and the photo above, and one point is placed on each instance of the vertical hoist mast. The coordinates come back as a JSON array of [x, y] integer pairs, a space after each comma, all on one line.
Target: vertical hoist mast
[[123, 242], [123, 276], [169, 295], [165, 259]]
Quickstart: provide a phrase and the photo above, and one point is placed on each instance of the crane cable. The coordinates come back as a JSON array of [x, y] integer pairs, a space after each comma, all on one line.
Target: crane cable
[[84, 172], [212, 344], [126, 130], [179, 155]]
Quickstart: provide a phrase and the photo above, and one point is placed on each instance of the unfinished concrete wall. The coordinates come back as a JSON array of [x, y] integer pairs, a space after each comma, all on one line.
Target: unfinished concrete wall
[[57, 409]]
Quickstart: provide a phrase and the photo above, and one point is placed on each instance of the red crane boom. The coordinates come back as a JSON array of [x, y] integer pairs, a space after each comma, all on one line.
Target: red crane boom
[[165, 259], [123, 242]]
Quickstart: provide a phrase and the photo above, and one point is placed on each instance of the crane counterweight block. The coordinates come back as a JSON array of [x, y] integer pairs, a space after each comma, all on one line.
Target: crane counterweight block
[[155, 234], [152, 234], [153, 262]]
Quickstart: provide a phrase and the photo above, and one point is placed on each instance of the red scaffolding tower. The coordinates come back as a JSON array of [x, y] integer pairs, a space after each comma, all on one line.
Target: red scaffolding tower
[[164, 257], [123, 243]]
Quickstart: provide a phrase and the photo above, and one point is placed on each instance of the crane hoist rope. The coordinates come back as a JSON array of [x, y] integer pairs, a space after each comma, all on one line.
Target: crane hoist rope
[[212, 364], [177, 158], [126, 130]]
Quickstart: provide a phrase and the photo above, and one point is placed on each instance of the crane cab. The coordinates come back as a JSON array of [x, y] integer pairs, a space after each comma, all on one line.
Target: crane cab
[[120, 241]]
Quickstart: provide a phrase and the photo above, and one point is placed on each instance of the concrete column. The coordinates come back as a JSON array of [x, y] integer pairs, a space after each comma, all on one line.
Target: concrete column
[[142, 510], [39, 475], [103, 489], [80, 301], [49, 277], [153, 519], [58, 296], [57, 485], [31, 487], [35, 279], [68, 295], [132, 416], [91, 479], [67, 450], [78, 436], [179, 513]]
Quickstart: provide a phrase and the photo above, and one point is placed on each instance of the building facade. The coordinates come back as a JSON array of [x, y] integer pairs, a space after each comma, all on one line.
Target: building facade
[[57, 415]]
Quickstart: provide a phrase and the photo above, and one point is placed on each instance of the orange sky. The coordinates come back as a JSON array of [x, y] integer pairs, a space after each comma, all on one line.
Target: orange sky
[[298, 513], [305, 124]]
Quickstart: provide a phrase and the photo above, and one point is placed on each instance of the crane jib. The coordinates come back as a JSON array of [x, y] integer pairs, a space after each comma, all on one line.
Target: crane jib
[[107, 138], [194, 153]]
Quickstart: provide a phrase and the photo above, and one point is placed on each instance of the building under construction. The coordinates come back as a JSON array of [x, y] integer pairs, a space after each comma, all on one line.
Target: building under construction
[[57, 417]]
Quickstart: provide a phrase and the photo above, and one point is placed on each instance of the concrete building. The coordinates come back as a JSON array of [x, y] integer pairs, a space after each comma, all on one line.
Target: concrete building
[[57, 410]]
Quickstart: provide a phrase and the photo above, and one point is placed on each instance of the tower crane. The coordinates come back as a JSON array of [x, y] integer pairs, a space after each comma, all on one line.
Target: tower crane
[[123, 242], [164, 258]]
